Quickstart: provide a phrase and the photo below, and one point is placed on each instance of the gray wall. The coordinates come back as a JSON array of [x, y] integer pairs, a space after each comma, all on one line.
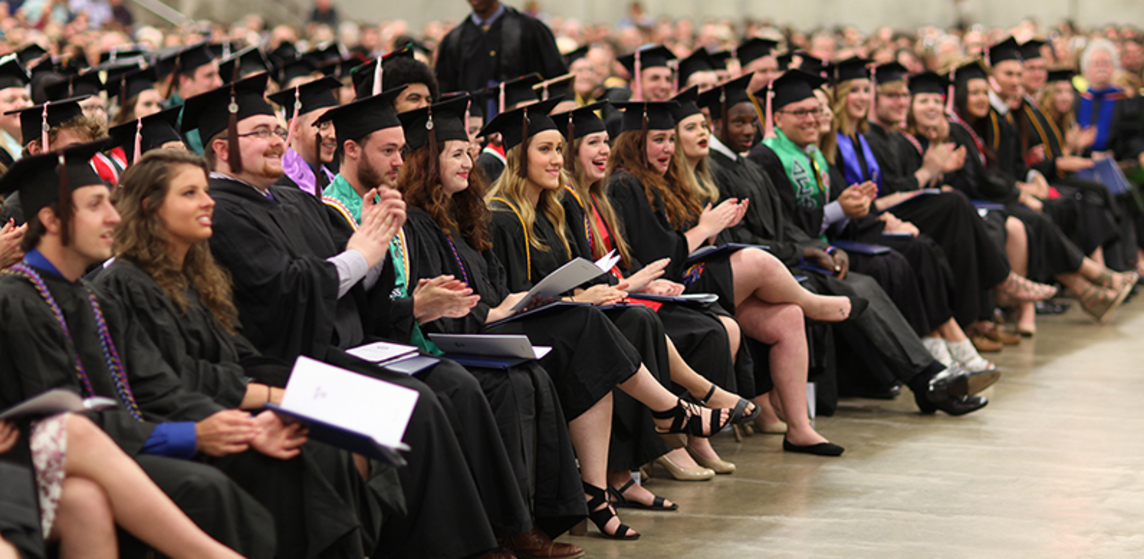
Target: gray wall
[[865, 14]]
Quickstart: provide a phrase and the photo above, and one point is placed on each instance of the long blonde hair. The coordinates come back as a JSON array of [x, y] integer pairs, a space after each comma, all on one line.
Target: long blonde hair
[[842, 120], [595, 192], [511, 188]]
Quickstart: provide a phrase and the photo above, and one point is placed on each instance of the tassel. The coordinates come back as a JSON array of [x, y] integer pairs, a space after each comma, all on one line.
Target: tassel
[[294, 118], [950, 91], [377, 71], [643, 134], [873, 94], [571, 132], [544, 95], [674, 66], [500, 101], [65, 202], [723, 109], [468, 103], [769, 125], [122, 91], [433, 153], [522, 171], [637, 93], [44, 147], [174, 76], [235, 156], [138, 140]]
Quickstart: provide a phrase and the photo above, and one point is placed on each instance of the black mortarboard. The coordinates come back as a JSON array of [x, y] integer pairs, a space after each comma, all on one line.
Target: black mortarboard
[[791, 87], [687, 104], [576, 55], [30, 53], [650, 57], [511, 125], [583, 120], [1061, 75], [357, 120], [114, 68], [184, 60], [853, 68], [719, 58], [120, 53], [809, 64], [250, 60], [753, 49], [283, 53], [889, 72], [85, 84], [59, 112], [514, 91], [312, 96], [221, 109], [725, 96], [929, 82], [225, 49], [153, 131], [297, 68], [126, 86], [39, 182], [1031, 49], [340, 68], [555, 87], [364, 74], [647, 115], [698, 61], [12, 73], [444, 121], [974, 69], [1005, 50], [479, 100], [322, 55]]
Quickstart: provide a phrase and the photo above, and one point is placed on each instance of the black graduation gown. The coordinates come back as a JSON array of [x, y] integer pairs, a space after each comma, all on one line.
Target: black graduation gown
[[948, 218], [286, 294], [12, 210], [211, 361], [35, 359], [542, 453], [20, 511], [514, 45], [491, 165], [637, 330]]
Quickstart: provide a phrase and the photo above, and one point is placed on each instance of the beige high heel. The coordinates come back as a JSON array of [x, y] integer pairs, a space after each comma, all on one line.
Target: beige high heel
[[718, 466], [681, 474]]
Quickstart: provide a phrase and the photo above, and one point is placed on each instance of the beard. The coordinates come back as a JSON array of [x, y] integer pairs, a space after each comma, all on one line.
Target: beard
[[368, 175], [267, 170]]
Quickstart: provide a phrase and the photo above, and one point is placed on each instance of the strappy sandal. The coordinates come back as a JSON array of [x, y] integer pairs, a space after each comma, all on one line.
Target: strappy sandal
[[687, 417], [737, 417], [601, 517], [1099, 305], [622, 502], [1016, 289]]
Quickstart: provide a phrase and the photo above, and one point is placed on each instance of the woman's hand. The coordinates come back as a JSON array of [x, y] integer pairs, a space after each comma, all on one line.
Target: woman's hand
[[9, 434], [503, 310], [663, 287], [895, 225], [442, 296], [276, 439], [225, 432], [10, 238], [639, 280], [714, 220], [600, 295]]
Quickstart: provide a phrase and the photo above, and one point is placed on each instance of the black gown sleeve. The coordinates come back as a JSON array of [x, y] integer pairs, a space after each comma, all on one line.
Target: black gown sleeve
[[647, 231], [510, 247], [974, 179], [432, 257], [895, 176]]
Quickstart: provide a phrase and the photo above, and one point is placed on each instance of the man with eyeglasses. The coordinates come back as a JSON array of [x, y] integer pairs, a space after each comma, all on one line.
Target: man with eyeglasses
[[312, 145]]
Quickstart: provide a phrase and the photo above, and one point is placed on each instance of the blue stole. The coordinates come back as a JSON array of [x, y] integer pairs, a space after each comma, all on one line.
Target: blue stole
[[1084, 117], [851, 168]]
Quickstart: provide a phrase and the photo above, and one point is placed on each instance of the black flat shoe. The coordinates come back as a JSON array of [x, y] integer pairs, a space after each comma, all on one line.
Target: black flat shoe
[[820, 449], [952, 391]]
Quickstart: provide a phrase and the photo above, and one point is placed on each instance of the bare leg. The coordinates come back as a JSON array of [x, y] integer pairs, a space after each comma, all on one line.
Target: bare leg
[[782, 327], [645, 388], [7, 550], [140, 506], [1017, 248], [761, 275], [85, 524], [950, 331], [696, 384], [1098, 256], [590, 437]]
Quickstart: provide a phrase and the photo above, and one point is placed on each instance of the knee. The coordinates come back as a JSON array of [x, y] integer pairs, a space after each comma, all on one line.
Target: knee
[[789, 320], [83, 502], [759, 260], [82, 432], [734, 332]]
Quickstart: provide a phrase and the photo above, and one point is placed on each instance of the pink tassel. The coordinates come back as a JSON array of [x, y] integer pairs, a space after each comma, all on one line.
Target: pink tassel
[[637, 93], [500, 100], [468, 103], [138, 141], [949, 92], [294, 118], [544, 94], [377, 70], [675, 79], [44, 147], [873, 93], [769, 125]]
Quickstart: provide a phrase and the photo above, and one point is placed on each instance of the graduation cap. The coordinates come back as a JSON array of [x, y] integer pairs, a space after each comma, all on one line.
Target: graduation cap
[[808, 63], [888, 72], [555, 87], [114, 68], [116, 54], [514, 91], [439, 122], [12, 72], [581, 121], [283, 53], [719, 58], [1061, 75], [647, 115], [129, 85], [356, 120], [722, 97], [340, 68], [687, 104], [698, 61], [478, 100], [576, 55], [1031, 49], [30, 53], [853, 68], [85, 85], [636, 62], [221, 109], [307, 97], [322, 55], [141, 135], [928, 82], [50, 177], [368, 77], [517, 125], [249, 60], [225, 49], [791, 87], [1005, 50], [35, 121], [184, 60], [960, 75], [753, 49]]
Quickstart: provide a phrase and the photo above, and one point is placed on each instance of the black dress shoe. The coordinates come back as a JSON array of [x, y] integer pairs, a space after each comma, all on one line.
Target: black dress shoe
[[820, 449], [950, 391]]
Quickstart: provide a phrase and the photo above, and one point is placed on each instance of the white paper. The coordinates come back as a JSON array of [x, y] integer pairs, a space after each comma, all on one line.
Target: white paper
[[492, 345], [355, 402], [379, 352], [608, 261], [57, 401], [577, 271]]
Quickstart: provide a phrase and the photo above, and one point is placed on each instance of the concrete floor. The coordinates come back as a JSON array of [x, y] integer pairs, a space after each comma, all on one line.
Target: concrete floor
[[1052, 467]]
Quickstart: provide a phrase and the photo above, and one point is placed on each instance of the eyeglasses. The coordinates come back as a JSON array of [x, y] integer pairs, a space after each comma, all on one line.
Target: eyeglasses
[[895, 96], [804, 113], [264, 133]]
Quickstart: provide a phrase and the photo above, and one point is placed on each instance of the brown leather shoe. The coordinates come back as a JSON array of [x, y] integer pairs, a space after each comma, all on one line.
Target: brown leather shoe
[[983, 344], [536, 544]]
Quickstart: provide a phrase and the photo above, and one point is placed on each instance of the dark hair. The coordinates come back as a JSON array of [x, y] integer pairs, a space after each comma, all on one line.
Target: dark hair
[[464, 213], [126, 111], [629, 153], [979, 125], [402, 71], [140, 236], [36, 229]]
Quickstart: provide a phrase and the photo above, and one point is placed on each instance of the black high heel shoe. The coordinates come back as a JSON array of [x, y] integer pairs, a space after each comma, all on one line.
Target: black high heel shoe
[[687, 417], [601, 517], [737, 417]]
